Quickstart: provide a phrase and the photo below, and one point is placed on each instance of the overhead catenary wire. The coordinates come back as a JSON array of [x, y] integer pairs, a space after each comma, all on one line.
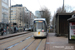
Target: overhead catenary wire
[[39, 3]]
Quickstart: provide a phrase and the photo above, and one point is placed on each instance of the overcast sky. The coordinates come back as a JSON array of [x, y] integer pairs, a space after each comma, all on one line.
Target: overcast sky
[[52, 5]]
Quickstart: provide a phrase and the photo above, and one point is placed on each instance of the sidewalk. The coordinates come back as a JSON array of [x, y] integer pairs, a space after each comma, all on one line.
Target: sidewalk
[[59, 43], [12, 35]]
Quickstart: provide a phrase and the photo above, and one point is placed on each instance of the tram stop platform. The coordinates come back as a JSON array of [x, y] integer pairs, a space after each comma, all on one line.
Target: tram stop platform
[[12, 35], [59, 43]]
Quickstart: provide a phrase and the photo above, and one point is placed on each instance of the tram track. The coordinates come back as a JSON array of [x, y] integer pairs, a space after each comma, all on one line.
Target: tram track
[[28, 45], [13, 38], [25, 48], [45, 44], [39, 44], [24, 43], [17, 43]]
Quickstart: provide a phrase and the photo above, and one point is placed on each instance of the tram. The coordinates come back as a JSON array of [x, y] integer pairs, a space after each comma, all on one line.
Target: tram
[[40, 27]]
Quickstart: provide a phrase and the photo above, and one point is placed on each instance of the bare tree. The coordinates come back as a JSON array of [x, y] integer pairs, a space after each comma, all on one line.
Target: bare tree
[[24, 17], [68, 8], [59, 10], [53, 20], [46, 14]]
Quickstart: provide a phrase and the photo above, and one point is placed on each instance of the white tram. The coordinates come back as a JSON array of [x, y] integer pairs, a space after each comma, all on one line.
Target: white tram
[[40, 27]]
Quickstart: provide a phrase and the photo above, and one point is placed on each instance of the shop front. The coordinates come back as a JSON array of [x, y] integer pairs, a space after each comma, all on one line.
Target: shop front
[[4, 26]]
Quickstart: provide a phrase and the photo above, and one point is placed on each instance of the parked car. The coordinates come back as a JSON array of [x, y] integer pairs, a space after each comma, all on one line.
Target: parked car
[[30, 28], [26, 29], [20, 29]]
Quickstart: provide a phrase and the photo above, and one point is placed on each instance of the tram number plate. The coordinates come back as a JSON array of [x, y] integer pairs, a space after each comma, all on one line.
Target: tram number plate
[[38, 33]]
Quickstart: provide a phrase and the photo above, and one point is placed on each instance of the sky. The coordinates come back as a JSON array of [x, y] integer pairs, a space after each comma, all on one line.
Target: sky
[[52, 5]]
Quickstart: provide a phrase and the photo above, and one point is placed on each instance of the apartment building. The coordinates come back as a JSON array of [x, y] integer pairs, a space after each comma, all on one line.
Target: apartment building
[[38, 14], [17, 14], [32, 18], [4, 13]]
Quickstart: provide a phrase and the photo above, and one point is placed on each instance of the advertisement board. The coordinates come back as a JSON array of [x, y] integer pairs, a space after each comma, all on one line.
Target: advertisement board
[[72, 30]]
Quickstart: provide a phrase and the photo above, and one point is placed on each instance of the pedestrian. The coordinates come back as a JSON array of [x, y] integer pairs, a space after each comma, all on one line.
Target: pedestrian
[[14, 29], [23, 29], [11, 31], [2, 31]]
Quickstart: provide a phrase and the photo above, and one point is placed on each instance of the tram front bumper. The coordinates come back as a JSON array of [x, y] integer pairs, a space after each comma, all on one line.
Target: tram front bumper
[[41, 34]]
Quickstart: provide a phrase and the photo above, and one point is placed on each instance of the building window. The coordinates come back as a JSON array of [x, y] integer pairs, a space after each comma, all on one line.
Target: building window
[[4, 10], [5, 18], [6, 1], [13, 8], [4, 5], [13, 19], [19, 8], [13, 11], [4, 15], [13, 14]]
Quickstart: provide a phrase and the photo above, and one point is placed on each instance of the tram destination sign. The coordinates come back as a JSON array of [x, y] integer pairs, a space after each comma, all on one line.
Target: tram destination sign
[[39, 21]]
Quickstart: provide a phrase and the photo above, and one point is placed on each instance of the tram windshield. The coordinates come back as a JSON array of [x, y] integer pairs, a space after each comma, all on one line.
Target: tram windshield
[[39, 26]]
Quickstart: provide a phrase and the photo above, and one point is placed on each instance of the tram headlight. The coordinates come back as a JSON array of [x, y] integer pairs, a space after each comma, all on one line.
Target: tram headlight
[[42, 30]]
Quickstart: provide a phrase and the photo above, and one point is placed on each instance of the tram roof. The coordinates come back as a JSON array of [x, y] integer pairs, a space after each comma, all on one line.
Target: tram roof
[[40, 19]]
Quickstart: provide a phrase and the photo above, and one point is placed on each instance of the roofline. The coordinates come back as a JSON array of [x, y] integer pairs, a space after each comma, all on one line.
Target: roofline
[[70, 18], [65, 13], [41, 19]]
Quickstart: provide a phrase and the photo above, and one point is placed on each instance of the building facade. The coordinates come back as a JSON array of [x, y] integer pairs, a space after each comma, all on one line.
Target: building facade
[[18, 15], [32, 18], [38, 14], [4, 12]]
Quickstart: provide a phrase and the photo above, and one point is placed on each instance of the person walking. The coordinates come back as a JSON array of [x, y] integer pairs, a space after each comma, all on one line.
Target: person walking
[[24, 29], [2, 31], [14, 29]]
